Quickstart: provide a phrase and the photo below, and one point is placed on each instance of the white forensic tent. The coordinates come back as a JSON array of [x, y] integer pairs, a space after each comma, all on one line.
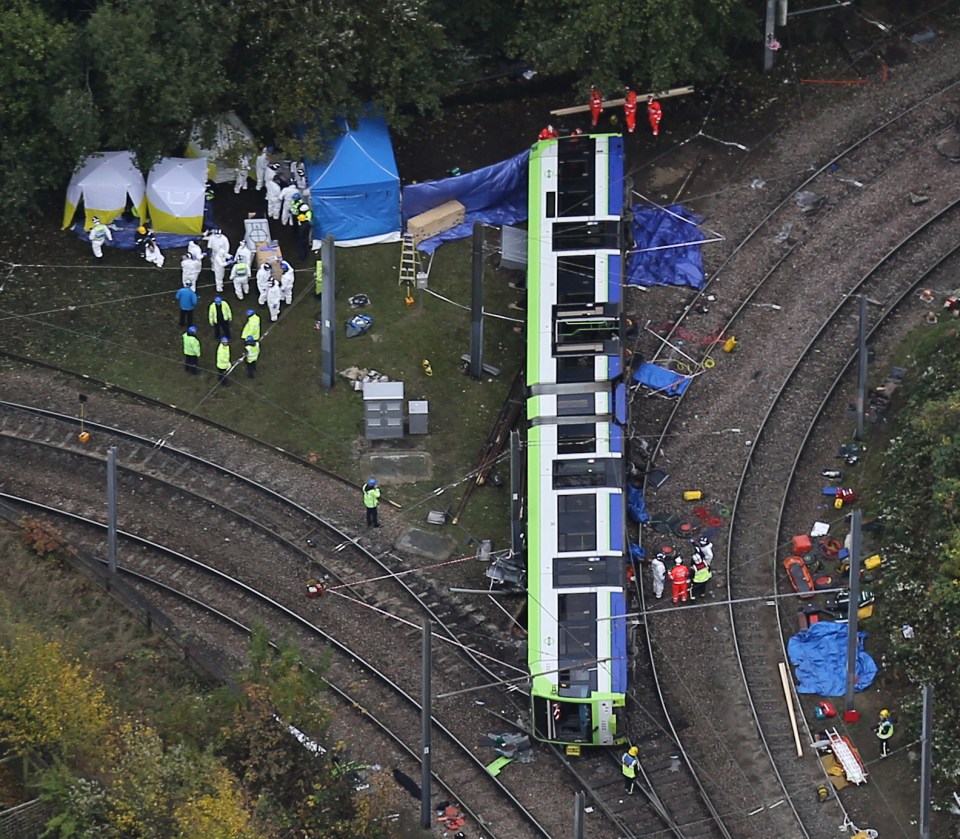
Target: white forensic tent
[[176, 188], [104, 183], [231, 138]]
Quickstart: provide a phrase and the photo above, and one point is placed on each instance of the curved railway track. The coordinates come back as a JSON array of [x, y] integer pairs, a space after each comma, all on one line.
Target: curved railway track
[[772, 774], [362, 687]]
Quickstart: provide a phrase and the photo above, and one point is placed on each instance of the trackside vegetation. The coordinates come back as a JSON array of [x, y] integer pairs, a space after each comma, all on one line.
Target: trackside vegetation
[[917, 498], [128, 744]]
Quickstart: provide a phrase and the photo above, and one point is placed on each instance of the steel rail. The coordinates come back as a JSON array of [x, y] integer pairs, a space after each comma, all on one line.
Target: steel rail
[[807, 352], [299, 621]]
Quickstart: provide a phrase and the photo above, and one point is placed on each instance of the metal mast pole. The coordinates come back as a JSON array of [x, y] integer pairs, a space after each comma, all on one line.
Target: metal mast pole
[[862, 368], [852, 606], [476, 305], [426, 814], [926, 761], [328, 314], [112, 509]]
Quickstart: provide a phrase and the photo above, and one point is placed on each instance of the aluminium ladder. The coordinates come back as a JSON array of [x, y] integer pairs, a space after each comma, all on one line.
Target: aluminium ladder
[[848, 761]]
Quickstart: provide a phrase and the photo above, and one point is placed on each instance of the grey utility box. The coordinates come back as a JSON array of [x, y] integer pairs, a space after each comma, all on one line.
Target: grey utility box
[[419, 417], [383, 410]]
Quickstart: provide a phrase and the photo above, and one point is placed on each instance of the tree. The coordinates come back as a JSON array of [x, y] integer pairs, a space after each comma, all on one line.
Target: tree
[[48, 120], [655, 43], [48, 702]]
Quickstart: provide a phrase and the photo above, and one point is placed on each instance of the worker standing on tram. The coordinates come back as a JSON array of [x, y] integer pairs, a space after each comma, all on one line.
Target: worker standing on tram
[[596, 107], [630, 110], [629, 764], [680, 577]]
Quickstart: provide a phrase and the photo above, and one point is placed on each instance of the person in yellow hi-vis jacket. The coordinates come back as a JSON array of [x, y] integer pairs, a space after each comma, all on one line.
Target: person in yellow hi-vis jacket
[[371, 499]]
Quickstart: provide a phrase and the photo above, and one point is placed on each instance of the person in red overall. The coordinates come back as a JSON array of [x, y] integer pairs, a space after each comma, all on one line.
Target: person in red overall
[[548, 133], [630, 110], [596, 107], [680, 577], [655, 114]]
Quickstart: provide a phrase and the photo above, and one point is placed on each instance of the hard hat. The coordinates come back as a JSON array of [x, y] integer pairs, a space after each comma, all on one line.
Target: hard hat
[[217, 299], [884, 714], [251, 339], [372, 481], [224, 340], [250, 312], [216, 231], [679, 560], [141, 229], [296, 195], [703, 540], [96, 219], [192, 330], [633, 750], [550, 128]]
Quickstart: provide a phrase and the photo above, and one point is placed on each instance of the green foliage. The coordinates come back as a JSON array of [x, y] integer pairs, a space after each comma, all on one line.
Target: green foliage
[[918, 498], [48, 702], [644, 43]]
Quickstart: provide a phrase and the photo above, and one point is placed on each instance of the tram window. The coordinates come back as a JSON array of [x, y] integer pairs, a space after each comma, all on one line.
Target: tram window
[[576, 279], [576, 572], [584, 330], [585, 472], [575, 404], [577, 439], [586, 235], [575, 368], [576, 523]]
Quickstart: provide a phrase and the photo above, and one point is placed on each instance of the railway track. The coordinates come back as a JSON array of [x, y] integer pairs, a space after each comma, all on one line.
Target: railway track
[[193, 588], [780, 785], [300, 545]]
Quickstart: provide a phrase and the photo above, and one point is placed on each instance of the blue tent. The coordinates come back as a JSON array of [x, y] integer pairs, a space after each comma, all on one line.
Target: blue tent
[[355, 193]]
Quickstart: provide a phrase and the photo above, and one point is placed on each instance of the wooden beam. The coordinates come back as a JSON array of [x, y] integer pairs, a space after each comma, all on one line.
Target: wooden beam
[[616, 103]]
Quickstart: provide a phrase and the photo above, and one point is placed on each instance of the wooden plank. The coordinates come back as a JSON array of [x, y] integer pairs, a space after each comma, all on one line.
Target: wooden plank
[[616, 103]]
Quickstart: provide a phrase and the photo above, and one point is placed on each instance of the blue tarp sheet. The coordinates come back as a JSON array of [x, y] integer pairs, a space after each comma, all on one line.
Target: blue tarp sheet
[[125, 233], [496, 194], [655, 227], [660, 379], [820, 657], [636, 508], [355, 192]]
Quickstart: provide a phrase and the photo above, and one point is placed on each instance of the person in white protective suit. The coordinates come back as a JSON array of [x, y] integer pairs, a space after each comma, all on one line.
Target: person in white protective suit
[[190, 268], [261, 165], [301, 179], [216, 241], [243, 170], [274, 199], [152, 253], [274, 296], [99, 233], [194, 249], [286, 196], [243, 252], [286, 281], [240, 277], [264, 278], [220, 260]]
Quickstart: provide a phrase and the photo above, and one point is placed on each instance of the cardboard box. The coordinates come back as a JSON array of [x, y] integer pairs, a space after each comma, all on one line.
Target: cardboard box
[[269, 252], [435, 221]]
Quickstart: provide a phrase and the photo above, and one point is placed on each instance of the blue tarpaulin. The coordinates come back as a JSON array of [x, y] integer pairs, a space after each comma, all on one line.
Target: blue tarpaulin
[[496, 194], [662, 380], [820, 657], [659, 229], [125, 233], [636, 508]]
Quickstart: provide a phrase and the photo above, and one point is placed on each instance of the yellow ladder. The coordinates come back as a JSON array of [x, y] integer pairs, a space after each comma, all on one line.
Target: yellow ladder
[[409, 266]]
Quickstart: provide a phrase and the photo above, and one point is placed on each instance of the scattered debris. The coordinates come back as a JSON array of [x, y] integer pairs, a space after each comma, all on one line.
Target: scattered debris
[[949, 147], [359, 376], [758, 183], [851, 181], [784, 233], [916, 198], [924, 36], [359, 301], [809, 202]]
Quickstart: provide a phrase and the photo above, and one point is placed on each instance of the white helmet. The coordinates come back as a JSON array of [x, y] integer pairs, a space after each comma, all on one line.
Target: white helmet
[[679, 560]]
